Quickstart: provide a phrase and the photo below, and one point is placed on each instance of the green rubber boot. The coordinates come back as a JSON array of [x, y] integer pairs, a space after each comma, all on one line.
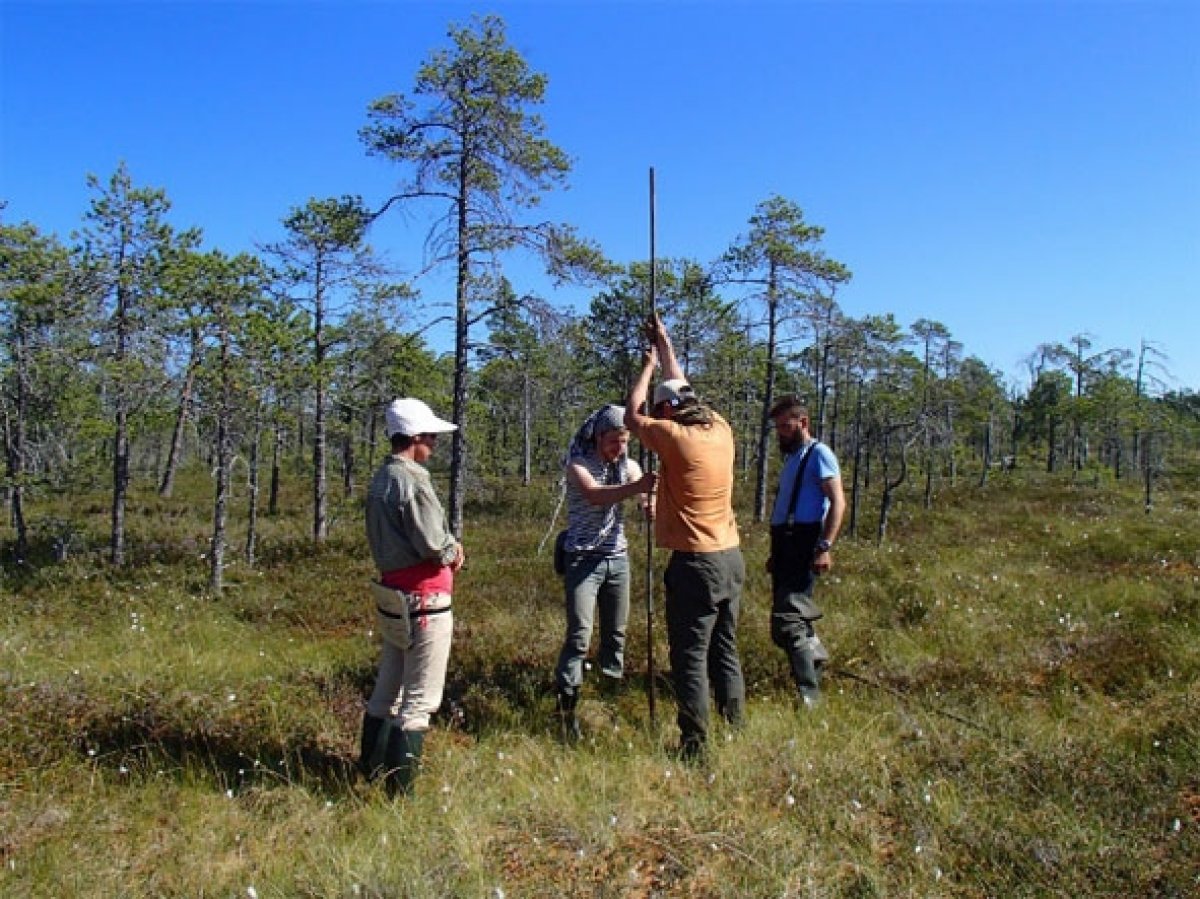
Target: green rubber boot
[[808, 678], [402, 760], [371, 746]]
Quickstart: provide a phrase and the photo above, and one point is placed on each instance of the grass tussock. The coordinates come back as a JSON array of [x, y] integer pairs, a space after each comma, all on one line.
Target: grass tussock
[[1011, 710]]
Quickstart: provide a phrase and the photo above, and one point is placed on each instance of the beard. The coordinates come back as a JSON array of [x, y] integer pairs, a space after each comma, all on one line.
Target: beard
[[788, 445]]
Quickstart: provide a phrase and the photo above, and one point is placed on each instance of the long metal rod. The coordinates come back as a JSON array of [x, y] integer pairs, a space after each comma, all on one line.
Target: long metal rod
[[651, 677], [904, 698]]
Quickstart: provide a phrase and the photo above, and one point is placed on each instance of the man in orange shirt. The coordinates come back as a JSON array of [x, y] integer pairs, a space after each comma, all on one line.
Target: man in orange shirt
[[694, 520]]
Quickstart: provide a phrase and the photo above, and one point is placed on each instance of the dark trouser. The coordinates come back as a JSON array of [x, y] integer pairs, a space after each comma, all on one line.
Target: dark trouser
[[792, 608], [703, 599]]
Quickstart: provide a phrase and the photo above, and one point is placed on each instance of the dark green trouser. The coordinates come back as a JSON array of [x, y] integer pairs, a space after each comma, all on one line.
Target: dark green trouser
[[792, 608], [703, 600]]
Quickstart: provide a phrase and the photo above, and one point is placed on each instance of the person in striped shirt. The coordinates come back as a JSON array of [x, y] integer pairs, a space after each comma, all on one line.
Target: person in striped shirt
[[599, 476]]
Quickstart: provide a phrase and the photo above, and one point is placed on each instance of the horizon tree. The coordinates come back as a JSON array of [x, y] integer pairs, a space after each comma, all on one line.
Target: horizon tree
[[273, 338], [780, 260], [1086, 367], [869, 347], [34, 274], [368, 367], [1151, 371], [228, 289], [126, 238], [523, 353], [184, 277], [325, 258], [931, 335], [473, 144]]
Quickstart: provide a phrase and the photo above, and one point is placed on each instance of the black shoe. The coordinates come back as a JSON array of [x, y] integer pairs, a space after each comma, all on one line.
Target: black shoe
[[732, 710], [611, 687], [692, 751], [569, 730]]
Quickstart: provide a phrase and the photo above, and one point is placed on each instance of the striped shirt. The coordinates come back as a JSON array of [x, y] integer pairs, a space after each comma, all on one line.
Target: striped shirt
[[598, 529]]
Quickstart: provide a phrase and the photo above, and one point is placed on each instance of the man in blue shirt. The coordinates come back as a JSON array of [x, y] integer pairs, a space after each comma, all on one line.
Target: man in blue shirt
[[804, 524]]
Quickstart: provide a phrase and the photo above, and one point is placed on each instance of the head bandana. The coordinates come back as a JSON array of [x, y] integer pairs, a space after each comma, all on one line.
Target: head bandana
[[605, 419]]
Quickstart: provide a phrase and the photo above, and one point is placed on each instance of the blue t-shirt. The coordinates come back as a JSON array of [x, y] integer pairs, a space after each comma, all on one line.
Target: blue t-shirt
[[811, 504]]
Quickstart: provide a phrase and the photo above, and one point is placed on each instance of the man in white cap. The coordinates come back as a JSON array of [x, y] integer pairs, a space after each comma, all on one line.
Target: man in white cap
[[417, 559], [694, 519]]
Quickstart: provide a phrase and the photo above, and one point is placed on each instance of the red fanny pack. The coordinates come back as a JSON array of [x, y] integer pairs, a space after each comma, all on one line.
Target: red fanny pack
[[423, 579]]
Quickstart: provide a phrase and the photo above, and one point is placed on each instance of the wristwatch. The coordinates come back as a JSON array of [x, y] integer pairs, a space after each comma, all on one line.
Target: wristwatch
[[823, 546]]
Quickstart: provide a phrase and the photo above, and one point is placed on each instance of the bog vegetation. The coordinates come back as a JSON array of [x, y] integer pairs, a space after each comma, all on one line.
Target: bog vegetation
[[1012, 711], [186, 638]]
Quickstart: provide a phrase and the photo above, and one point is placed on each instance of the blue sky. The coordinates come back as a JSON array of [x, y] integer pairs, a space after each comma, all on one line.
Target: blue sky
[[1022, 172]]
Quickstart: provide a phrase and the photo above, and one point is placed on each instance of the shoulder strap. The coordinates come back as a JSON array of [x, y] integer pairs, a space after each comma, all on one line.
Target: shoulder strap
[[791, 509]]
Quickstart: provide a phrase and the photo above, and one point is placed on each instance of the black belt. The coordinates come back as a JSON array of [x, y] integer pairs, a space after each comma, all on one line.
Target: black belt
[[420, 613]]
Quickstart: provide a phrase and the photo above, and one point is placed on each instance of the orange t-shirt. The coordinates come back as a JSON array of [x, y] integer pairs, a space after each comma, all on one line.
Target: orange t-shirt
[[695, 487]]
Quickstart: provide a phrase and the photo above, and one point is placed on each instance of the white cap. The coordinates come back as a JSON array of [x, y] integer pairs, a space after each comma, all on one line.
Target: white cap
[[411, 417], [673, 391]]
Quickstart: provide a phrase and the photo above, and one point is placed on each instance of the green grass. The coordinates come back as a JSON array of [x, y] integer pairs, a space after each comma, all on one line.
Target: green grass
[[1012, 711]]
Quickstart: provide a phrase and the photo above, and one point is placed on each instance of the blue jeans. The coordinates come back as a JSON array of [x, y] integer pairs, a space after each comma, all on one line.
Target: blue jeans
[[594, 581]]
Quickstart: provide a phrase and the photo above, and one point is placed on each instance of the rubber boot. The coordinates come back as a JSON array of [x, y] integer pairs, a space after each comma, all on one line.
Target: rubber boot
[[611, 687], [371, 745], [568, 722], [732, 710], [820, 653], [692, 747], [808, 679], [402, 760]]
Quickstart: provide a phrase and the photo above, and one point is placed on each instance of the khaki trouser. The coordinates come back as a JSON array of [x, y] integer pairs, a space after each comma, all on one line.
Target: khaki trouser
[[412, 677]]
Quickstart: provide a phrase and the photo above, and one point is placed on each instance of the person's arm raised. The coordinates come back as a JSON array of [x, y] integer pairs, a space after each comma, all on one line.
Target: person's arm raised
[[656, 331], [634, 417]]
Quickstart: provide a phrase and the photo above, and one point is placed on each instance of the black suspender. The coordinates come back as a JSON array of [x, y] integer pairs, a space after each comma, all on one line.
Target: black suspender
[[791, 509]]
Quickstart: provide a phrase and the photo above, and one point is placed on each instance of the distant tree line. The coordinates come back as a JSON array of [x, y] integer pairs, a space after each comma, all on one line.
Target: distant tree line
[[129, 351]]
